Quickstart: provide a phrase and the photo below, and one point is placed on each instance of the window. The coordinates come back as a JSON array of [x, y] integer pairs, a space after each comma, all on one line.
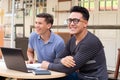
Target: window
[[41, 6], [28, 7], [104, 5], [108, 5], [17, 4], [89, 4]]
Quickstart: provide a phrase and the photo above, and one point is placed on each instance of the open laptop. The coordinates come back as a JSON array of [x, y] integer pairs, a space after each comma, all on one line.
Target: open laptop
[[14, 59]]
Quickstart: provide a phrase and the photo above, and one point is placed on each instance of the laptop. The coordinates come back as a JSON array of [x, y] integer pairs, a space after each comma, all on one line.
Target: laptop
[[14, 59]]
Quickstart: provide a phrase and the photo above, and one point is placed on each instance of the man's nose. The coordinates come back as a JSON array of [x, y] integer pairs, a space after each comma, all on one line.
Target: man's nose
[[72, 23]]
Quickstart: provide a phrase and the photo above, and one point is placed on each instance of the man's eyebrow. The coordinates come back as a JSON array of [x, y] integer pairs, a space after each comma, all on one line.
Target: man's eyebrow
[[82, 20]]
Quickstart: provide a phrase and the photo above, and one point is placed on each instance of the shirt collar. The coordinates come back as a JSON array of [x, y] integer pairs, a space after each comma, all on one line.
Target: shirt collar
[[51, 37]]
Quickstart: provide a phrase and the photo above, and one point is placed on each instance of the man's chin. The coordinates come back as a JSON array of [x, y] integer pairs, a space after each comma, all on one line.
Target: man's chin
[[72, 33]]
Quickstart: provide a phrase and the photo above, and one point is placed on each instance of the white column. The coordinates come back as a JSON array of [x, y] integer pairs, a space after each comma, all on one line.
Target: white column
[[12, 24]]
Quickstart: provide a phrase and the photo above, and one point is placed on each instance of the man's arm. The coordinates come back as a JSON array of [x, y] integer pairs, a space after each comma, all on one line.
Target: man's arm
[[83, 55], [30, 54], [62, 55], [68, 61]]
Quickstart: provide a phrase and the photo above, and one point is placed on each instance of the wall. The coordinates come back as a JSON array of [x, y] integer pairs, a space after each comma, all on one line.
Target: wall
[[59, 10], [109, 38]]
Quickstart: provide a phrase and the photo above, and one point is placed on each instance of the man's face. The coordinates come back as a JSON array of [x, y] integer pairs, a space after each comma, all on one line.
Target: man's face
[[76, 23], [41, 26]]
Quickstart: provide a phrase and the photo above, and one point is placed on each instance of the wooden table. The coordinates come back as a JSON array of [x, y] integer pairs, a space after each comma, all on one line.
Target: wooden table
[[22, 75]]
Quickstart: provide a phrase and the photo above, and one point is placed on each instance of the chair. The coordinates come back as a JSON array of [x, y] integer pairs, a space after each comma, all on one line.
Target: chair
[[65, 35], [23, 46], [117, 67]]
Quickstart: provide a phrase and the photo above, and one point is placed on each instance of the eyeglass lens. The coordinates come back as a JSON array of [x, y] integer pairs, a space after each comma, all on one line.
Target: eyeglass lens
[[75, 20]]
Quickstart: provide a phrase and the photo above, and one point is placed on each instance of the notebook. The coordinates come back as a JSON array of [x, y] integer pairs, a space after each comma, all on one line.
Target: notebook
[[41, 72], [14, 60]]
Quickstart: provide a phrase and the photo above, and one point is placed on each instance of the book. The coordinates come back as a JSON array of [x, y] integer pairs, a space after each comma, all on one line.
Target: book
[[35, 65], [41, 72]]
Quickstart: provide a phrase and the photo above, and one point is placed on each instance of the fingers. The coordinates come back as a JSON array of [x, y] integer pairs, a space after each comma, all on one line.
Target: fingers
[[45, 64], [30, 61], [68, 61]]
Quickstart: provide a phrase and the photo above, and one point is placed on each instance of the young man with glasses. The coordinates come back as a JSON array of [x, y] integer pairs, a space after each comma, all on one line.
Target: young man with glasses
[[84, 52]]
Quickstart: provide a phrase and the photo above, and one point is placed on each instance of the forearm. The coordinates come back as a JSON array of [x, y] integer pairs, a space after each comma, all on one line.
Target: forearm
[[57, 60], [30, 55], [60, 68], [79, 61]]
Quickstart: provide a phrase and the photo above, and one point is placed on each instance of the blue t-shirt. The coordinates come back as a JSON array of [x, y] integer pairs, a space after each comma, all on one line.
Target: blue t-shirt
[[46, 51]]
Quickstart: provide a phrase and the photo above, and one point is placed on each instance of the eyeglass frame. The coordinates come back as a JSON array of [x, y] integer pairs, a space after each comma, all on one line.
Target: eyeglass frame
[[73, 20]]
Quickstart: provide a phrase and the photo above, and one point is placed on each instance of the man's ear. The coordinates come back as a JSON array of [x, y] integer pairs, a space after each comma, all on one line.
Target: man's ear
[[49, 26], [85, 23]]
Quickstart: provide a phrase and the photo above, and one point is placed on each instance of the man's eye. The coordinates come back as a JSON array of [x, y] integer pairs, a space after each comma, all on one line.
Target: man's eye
[[76, 20]]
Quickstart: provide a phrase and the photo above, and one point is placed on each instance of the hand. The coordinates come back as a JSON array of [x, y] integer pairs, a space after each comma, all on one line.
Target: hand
[[68, 61], [30, 61], [45, 64]]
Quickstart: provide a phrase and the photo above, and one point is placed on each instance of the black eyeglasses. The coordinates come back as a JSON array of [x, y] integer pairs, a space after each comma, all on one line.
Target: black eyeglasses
[[75, 20]]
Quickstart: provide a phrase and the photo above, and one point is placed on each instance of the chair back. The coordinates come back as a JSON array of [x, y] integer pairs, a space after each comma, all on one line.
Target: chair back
[[65, 35], [117, 65]]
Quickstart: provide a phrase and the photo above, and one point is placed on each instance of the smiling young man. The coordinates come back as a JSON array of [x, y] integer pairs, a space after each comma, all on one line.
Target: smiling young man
[[84, 53], [43, 41]]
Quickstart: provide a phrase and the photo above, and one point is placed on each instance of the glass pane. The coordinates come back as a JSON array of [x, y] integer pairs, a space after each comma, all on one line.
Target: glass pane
[[41, 6], [86, 4], [102, 5], [37, 4], [41, 2], [81, 4], [92, 5], [85, 0], [91, 0], [44, 10], [108, 5], [45, 3], [17, 4], [31, 12], [115, 4], [37, 0], [7, 31], [19, 32], [37, 11]]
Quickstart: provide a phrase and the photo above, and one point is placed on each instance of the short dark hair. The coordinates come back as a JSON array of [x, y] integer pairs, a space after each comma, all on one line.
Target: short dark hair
[[81, 10], [48, 17]]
